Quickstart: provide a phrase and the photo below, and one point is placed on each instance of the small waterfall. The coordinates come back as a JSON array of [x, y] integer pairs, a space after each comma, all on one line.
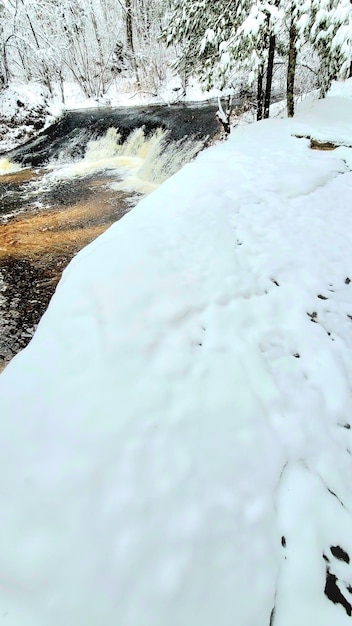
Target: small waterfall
[[148, 161], [172, 134], [141, 162]]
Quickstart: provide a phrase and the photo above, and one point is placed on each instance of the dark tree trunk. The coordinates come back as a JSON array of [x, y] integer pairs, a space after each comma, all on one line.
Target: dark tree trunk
[[129, 38], [350, 72], [291, 69], [129, 28], [6, 77], [62, 90], [269, 75], [260, 93]]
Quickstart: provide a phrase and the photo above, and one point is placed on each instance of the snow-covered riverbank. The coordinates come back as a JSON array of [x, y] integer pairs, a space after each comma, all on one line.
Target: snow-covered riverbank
[[177, 437]]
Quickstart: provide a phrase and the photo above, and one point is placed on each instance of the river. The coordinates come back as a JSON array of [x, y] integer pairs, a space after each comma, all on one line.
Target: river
[[62, 189]]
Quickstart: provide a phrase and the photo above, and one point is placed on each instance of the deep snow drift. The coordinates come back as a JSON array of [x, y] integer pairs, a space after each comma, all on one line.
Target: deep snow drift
[[176, 439]]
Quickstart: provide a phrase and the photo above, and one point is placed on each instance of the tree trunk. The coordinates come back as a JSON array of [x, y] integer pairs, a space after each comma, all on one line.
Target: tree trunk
[[6, 64], [129, 38], [129, 30], [269, 75], [260, 93], [224, 116], [62, 90], [291, 69]]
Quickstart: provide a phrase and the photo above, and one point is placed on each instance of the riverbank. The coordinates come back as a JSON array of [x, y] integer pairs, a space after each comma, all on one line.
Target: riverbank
[[178, 432]]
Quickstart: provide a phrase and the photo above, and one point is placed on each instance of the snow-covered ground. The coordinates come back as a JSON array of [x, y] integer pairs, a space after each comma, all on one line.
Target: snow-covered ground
[[176, 439]]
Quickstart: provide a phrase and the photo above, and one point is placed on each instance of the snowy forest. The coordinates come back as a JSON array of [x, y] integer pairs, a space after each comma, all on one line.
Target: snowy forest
[[248, 46]]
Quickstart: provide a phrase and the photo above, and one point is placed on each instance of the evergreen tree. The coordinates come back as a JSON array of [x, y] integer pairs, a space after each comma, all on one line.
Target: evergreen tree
[[199, 29], [297, 17], [256, 41], [330, 31], [225, 38]]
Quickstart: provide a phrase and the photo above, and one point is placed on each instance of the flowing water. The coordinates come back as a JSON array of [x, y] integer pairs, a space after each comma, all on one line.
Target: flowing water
[[61, 190]]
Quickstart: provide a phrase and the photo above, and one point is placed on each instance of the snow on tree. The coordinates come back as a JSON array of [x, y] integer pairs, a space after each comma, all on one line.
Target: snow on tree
[[228, 38], [219, 41], [330, 31], [198, 29], [89, 40], [92, 41]]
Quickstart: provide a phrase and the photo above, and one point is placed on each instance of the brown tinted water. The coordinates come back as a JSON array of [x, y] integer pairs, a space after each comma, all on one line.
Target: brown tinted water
[[39, 239]]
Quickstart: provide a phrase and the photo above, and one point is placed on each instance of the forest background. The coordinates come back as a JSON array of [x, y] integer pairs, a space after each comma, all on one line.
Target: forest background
[[242, 47]]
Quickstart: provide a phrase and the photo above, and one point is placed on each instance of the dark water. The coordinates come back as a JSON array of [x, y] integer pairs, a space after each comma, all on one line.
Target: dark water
[[74, 130]]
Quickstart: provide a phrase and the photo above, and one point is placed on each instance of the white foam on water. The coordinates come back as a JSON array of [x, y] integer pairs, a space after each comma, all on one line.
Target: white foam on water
[[8, 167], [141, 162]]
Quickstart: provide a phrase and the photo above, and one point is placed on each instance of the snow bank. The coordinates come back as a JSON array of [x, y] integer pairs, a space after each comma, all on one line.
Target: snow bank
[[176, 443], [341, 88], [24, 110], [330, 121], [19, 96]]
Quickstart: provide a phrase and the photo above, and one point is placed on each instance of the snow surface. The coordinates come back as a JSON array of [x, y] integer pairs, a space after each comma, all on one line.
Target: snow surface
[[176, 439], [332, 120]]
